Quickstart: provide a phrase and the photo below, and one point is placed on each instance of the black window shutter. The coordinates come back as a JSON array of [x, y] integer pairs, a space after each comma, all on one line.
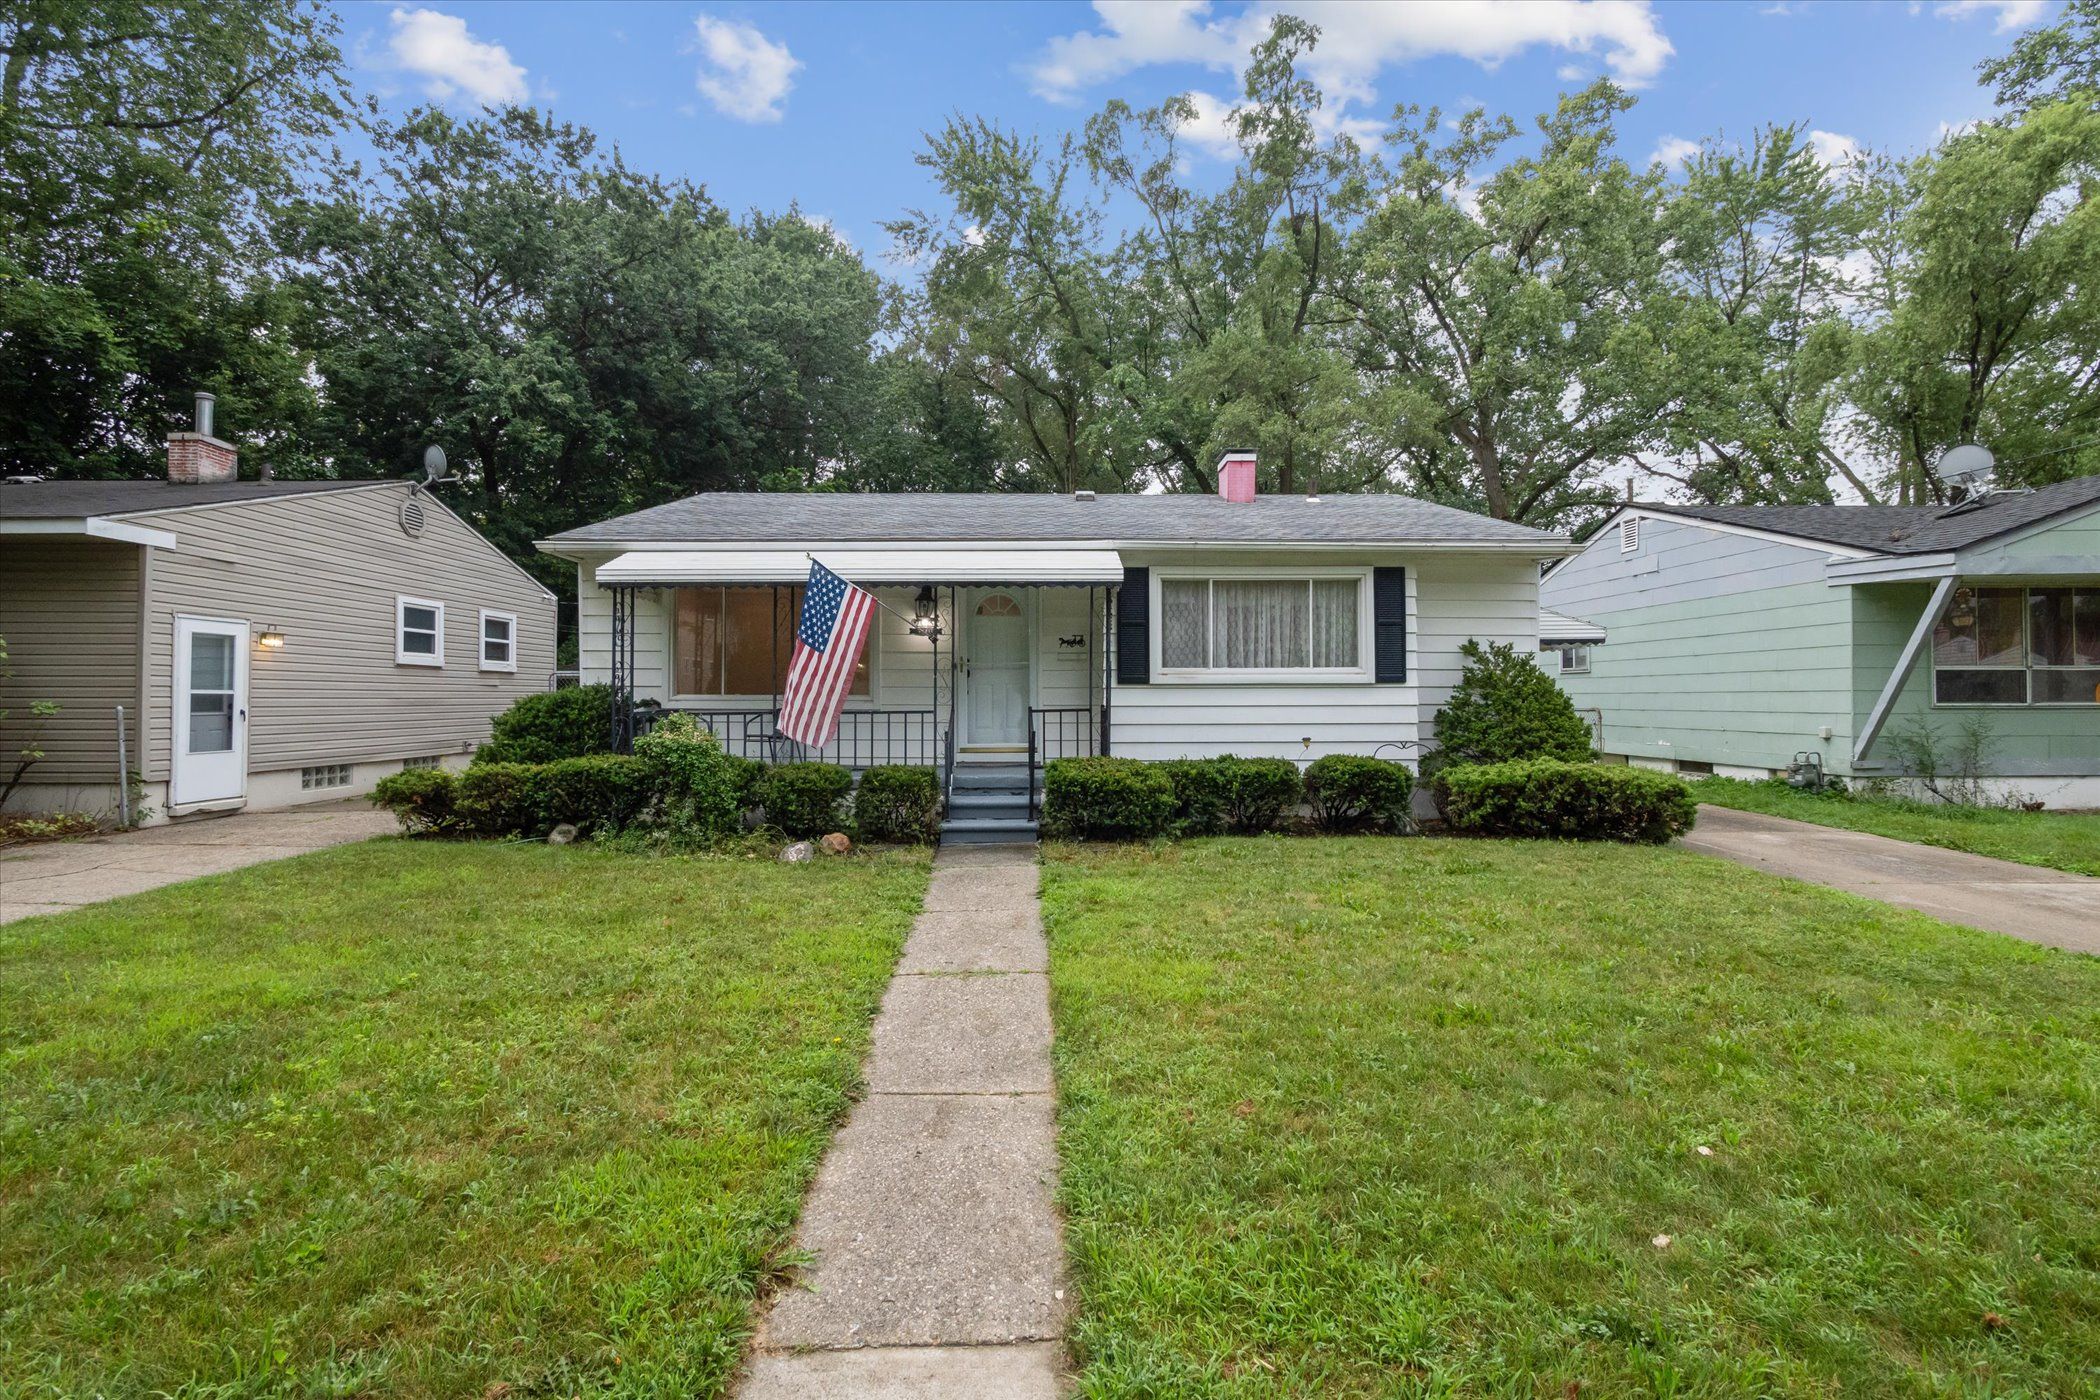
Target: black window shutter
[[1389, 623], [1134, 628]]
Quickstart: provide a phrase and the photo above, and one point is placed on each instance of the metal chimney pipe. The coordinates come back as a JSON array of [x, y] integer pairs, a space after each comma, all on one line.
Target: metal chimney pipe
[[204, 405]]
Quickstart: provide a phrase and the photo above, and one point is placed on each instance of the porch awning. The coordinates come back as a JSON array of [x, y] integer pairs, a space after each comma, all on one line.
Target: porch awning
[[1560, 629], [866, 567]]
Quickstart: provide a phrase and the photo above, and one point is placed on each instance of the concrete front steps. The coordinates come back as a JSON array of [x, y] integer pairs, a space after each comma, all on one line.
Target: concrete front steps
[[988, 806]]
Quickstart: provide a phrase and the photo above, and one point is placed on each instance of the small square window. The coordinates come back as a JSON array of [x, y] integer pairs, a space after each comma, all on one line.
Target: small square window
[[1574, 660], [499, 641], [419, 632]]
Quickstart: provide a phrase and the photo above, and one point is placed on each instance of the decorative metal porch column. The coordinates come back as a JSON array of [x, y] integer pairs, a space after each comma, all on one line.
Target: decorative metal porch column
[[622, 667]]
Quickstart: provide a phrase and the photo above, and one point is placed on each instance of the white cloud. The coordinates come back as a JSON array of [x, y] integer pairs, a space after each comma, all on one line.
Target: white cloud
[[2012, 14], [1571, 72], [1211, 131], [1672, 152], [742, 72], [452, 62], [1836, 151], [1357, 40]]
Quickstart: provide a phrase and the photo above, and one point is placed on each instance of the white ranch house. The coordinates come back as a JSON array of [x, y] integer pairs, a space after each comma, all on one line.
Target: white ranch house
[[1024, 627]]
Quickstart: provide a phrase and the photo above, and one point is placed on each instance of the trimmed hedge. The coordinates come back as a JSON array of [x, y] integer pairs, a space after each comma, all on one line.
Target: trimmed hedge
[[1349, 792], [803, 799], [898, 804], [1259, 792], [1506, 710], [1580, 801], [1107, 799], [1201, 788], [550, 725], [422, 799], [597, 792], [496, 799]]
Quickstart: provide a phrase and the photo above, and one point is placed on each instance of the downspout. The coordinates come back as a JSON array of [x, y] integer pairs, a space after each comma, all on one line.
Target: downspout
[[1906, 662]]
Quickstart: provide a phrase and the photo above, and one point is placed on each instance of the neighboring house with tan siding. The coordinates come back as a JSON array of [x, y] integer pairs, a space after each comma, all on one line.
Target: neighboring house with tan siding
[[268, 642]]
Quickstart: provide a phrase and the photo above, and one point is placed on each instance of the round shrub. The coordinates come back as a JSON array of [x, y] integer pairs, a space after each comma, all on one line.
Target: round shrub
[[550, 725], [1201, 789], [496, 799], [597, 792], [700, 792], [422, 799], [803, 799], [1578, 801], [1350, 792], [1505, 709], [1106, 799], [898, 804], [1258, 791]]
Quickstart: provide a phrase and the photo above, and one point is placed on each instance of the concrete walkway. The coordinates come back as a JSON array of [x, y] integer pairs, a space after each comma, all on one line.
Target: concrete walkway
[[2025, 901], [938, 1262], [53, 876]]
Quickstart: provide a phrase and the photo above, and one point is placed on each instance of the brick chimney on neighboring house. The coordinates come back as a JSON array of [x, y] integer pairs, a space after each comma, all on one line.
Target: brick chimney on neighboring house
[[197, 457], [1236, 477]]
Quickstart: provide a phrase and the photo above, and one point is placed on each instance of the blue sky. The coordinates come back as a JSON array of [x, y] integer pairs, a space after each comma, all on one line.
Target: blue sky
[[825, 105]]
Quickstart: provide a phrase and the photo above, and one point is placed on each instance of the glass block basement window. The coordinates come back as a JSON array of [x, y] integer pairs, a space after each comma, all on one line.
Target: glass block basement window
[[326, 775]]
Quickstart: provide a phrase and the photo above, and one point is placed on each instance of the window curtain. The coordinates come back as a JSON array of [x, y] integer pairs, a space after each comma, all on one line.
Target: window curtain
[[1260, 624]]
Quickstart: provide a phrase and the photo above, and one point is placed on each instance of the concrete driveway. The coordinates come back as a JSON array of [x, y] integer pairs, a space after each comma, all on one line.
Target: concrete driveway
[[2026, 901], [59, 875]]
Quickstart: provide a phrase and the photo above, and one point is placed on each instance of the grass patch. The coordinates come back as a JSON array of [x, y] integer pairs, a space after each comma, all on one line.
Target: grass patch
[[1371, 1117], [2059, 840], [419, 1119]]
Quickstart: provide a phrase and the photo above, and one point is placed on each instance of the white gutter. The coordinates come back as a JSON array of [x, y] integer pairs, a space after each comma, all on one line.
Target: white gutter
[[1550, 546], [93, 527], [1905, 663]]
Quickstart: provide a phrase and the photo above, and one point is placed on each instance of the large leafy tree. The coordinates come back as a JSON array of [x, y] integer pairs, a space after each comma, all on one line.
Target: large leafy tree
[[581, 338], [142, 143], [1983, 327], [1498, 297], [1751, 326]]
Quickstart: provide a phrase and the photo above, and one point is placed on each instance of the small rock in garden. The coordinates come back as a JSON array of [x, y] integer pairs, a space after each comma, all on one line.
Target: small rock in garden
[[1661, 1241], [798, 853], [1705, 1151], [836, 844], [562, 835]]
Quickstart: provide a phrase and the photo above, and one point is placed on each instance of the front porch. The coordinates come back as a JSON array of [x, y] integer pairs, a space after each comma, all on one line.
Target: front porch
[[984, 679]]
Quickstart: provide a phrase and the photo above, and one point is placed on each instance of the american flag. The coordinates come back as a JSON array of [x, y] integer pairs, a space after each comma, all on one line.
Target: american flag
[[835, 618]]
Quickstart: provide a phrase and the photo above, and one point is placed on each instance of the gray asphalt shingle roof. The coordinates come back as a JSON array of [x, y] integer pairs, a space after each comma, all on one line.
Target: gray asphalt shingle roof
[[72, 500], [1904, 529], [745, 517]]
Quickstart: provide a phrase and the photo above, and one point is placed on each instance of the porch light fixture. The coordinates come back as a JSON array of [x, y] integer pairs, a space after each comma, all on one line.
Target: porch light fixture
[[926, 613], [270, 639]]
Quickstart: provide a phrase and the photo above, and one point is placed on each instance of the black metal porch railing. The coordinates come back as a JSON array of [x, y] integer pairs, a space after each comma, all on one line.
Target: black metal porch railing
[[866, 738], [1057, 733]]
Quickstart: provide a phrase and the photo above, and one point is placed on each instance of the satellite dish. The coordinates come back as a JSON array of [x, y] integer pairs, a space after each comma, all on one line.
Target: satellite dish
[[1964, 464], [433, 464]]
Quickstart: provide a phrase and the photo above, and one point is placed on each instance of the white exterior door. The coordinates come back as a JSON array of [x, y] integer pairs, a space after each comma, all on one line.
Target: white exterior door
[[211, 712], [995, 671]]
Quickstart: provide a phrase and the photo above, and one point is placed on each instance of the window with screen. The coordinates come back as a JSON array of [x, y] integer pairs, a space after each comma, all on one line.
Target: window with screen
[[2018, 646], [739, 641]]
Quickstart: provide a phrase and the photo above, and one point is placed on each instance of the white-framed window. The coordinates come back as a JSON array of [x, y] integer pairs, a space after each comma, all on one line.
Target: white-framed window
[[1629, 534], [419, 632], [499, 641], [1574, 658], [1227, 624], [736, 642], [2018, 646]]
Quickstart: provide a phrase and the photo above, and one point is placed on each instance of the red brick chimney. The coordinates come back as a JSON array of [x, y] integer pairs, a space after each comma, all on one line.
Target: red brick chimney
[[196, 457], [1236, 477]]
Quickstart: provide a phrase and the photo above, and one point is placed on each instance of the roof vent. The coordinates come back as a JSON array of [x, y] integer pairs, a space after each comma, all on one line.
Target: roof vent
[[1082, 494]]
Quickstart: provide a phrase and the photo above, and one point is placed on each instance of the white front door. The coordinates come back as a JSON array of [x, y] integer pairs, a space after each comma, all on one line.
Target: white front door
[[995, 671], [211, 712]]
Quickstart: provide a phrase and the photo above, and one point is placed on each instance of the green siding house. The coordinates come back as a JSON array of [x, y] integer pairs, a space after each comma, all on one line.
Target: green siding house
[[1741, 637]]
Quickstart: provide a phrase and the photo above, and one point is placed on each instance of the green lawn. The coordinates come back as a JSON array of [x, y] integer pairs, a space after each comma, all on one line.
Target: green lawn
[[2059, 840], [1407, 1117], [420, 1119]]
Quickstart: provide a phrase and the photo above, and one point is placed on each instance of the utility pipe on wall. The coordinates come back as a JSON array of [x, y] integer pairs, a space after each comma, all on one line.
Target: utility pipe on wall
[[123, 773]]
